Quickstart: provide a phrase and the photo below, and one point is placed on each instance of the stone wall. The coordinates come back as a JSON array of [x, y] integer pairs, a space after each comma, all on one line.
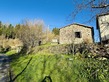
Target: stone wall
[[64, 49], [88, 50], [67, 34]]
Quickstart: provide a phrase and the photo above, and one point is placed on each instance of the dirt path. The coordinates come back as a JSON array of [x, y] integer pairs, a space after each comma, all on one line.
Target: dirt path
[[4, 67]]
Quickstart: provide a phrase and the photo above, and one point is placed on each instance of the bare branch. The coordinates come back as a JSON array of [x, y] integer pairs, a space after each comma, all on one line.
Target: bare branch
[[101, 6], [93, 6]]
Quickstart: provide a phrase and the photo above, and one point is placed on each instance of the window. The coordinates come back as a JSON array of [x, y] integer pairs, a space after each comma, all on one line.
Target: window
[[77, 34]]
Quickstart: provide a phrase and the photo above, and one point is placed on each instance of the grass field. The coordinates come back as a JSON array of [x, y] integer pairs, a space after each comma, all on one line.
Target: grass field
[[60, 68]]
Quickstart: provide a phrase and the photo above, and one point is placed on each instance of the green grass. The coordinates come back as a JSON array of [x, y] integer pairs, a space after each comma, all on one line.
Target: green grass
[[61, 68], [58, 67], [11, 52]]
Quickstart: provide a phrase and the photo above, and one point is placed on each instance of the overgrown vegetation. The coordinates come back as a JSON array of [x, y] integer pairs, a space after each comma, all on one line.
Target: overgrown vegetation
[[30, 33], [10, 44], [57, 67], [60, 68]]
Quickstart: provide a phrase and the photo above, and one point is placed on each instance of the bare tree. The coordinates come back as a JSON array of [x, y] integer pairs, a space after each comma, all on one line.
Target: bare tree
[[30, 33], [93, 6]]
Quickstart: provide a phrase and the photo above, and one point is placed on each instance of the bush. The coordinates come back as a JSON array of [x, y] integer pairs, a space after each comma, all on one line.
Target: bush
[[9, 44]]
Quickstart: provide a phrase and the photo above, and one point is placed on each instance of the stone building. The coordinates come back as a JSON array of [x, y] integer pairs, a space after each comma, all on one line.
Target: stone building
[[76, 33], [103, 27]]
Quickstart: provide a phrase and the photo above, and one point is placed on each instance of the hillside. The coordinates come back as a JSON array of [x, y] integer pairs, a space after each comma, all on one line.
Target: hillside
[[44, 65]]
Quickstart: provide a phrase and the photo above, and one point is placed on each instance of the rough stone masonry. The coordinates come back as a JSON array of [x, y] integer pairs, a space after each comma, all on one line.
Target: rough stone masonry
[[77, 34]]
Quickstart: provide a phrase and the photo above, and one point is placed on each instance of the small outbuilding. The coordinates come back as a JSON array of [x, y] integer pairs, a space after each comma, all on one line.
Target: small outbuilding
[[77, 34]]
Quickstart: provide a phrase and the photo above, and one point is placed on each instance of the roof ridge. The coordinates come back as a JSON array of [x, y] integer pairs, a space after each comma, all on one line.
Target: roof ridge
[[82, 25], [77, 24]]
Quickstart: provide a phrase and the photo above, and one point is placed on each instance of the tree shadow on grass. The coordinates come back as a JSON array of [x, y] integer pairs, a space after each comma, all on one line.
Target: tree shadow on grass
[[12, 80], [48, 77]]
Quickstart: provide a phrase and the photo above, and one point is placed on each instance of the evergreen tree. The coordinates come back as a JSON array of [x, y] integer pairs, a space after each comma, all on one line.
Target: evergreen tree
[[55, 31]]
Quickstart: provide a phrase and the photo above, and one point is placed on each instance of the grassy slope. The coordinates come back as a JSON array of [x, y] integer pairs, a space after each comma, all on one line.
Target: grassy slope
[[61, 68]]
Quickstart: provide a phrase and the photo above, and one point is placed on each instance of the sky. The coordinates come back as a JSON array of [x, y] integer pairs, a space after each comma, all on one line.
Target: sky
[[54, 13]]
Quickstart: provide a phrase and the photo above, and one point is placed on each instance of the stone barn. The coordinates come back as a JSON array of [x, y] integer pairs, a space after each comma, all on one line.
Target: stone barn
[[76, 33], [103, 27]]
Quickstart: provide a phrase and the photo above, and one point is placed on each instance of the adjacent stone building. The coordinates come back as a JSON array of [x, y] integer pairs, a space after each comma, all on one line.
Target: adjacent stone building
[[76, 33], [103, 27]]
